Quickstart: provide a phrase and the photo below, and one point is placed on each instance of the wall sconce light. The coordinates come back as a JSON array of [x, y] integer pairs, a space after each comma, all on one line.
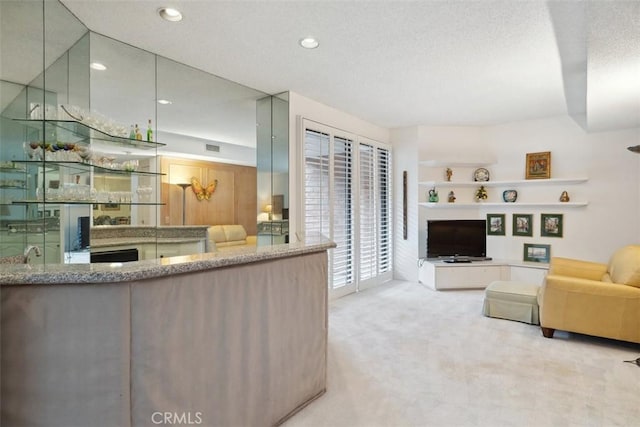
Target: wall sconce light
[[184, 187]]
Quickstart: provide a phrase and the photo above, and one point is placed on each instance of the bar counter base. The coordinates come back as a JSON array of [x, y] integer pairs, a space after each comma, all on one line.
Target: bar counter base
[[243, 345]]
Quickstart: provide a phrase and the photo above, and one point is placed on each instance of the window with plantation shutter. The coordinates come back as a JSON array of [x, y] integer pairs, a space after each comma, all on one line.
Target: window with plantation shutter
[[316, 180], [343, 254], [347, 199], [375, 222], [383, 167], [328, 207], [368, 219]]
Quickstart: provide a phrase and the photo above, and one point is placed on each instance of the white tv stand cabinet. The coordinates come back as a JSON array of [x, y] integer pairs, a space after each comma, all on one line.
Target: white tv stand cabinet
[[439, 275]]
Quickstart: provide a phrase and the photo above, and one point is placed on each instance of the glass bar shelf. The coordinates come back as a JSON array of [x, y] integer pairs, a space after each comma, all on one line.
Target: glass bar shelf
[[86, 133]]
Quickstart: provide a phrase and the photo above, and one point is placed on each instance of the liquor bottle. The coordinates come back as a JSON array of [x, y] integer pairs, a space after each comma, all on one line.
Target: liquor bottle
[[149, 132], [138, 134], [132, 133]]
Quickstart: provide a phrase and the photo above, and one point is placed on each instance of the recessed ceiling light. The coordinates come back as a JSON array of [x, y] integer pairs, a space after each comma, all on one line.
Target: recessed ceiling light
[[309, 43], [164, 101], [170, 14], [98, 66]]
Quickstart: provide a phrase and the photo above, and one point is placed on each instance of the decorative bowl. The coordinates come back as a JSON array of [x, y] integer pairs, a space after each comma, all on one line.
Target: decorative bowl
[[509, 196]]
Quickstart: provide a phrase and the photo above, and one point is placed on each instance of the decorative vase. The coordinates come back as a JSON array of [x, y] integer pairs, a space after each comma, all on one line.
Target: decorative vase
[[433, 196]]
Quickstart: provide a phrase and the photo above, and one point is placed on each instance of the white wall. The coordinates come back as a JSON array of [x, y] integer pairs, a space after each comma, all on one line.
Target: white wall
[[405, 153], [302, 107], [610, 220], [448, 143]]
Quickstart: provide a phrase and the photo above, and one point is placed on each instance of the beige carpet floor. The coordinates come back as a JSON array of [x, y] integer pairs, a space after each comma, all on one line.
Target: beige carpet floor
[[404, 355]]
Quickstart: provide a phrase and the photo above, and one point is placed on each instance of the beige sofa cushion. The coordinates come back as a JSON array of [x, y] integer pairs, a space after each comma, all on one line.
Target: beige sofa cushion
[[624, 266], [234, 232], [216, 234]]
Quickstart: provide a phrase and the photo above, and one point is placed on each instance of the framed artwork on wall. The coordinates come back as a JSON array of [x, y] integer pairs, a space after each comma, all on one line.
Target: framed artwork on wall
[[522, 225], [538, 165], [496, 225], [551, 225], [537, 253]]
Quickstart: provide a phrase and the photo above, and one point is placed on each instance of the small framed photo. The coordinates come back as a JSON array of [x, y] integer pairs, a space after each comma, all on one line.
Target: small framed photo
[[538, 165], [495, 225], [551, 225], [522, 225], [537, 253], [110, 206]]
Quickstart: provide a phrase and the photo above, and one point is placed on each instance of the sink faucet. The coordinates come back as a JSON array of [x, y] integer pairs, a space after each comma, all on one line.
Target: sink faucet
[[27, 252]]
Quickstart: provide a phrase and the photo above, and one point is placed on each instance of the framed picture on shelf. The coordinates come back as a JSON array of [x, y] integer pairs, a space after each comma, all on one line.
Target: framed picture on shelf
[[537, 253], [522, 225], [110, 206], [496, 225], [551, 225], [538, 165]]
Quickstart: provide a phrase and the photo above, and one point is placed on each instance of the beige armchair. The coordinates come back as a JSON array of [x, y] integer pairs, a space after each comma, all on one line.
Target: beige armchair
[[592, 298]]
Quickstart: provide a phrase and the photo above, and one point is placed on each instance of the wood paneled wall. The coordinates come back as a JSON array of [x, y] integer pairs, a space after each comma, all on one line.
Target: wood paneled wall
[[233, 202]]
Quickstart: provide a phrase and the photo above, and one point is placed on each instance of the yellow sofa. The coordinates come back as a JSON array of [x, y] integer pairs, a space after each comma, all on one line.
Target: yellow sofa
[[593, 298], [224, 237]]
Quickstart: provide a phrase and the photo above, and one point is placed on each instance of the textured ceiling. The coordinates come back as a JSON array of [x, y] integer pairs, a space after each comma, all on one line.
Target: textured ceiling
[[406, 63]]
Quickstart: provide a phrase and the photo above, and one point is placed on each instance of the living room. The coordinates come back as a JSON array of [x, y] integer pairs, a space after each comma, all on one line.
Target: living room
[[401, 353], [379, 374]]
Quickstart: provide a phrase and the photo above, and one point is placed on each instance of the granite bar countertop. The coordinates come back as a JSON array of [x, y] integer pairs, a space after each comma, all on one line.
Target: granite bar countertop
[[52, 274], [124, 241], [104, 236], [137, 231]]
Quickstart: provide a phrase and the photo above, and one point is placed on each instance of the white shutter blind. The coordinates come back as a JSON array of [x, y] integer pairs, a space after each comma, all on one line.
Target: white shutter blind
[[375, 212], [343, 254], [316, 184], [368, 217], [329, 199], [347, 198], [384, 206]]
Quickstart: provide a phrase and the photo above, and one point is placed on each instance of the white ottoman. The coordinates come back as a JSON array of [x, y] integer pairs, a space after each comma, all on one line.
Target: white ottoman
[[512, 300]]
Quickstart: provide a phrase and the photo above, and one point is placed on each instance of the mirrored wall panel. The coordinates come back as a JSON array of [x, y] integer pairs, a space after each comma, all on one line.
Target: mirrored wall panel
[[273, 170], [44, 64], [96, 134]]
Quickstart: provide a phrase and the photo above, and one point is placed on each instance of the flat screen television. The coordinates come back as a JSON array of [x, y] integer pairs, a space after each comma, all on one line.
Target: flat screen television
[[457, 238]]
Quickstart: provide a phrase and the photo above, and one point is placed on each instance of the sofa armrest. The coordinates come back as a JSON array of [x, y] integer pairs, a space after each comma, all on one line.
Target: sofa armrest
[[590, 307], [251, 240], [577, 268]]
